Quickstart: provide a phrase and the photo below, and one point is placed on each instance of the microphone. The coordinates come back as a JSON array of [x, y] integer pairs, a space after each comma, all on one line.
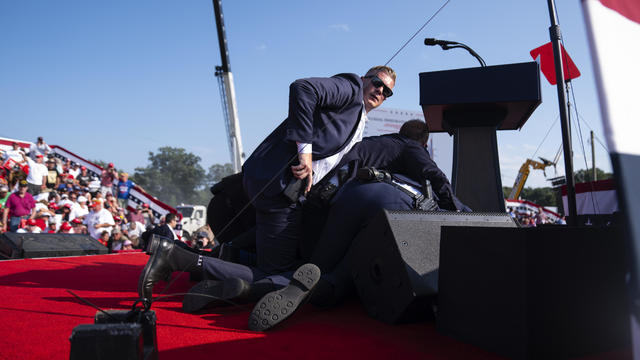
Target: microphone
[[447, 45], [432, 42]]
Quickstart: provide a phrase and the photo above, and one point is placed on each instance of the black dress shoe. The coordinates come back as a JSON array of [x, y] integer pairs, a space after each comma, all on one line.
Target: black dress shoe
[[278, 305], [231, 291], [204, 294]]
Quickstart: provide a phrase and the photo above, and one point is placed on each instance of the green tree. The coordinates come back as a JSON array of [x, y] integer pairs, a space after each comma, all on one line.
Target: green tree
[[217, 172], [173, 175], [587, 175], [544, 196]]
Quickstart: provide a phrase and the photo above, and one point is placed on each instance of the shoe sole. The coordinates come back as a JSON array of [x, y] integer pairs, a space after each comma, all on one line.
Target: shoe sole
[[278, 305], [203, 294]]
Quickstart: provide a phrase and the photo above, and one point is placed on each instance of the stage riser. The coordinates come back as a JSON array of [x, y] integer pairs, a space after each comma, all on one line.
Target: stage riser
[[553, 292], [17, 245]]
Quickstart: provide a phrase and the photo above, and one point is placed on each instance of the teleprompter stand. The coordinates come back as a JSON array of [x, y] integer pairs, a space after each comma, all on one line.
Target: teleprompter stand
[[472, 104]]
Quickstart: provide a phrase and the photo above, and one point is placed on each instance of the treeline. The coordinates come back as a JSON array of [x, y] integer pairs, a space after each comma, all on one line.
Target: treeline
[[176, 176]]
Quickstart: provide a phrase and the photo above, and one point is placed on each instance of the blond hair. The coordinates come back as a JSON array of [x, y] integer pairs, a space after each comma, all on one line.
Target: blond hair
[[381, 68]]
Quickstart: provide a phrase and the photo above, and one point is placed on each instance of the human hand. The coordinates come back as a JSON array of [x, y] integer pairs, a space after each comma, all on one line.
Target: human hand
[[304, 170]]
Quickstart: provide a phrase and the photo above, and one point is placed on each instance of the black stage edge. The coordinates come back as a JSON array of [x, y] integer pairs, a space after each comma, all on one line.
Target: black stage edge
[[549, 292], [27, 245]]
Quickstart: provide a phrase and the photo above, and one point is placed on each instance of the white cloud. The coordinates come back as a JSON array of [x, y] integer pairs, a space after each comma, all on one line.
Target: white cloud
[[261, 47], [340, 27]]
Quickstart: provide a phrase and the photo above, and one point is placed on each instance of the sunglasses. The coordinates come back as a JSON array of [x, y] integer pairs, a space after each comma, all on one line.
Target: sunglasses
[[375, 80]]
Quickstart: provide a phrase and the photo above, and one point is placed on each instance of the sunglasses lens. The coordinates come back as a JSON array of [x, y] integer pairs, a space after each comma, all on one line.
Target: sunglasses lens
[[378, 83]]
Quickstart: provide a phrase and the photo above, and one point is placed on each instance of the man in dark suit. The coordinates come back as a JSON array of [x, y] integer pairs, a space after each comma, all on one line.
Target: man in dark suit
[[326, 118], [352, 208], [165, 230]]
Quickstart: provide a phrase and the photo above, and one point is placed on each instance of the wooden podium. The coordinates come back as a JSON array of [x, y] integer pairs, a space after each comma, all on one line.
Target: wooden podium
[[472, 104]]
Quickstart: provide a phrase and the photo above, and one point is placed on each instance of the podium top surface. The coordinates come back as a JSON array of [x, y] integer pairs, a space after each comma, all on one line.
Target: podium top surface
[[467, 97]]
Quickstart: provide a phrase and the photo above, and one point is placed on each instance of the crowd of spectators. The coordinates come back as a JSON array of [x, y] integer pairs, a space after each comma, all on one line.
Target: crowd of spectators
[[533, 218], [39, 193]]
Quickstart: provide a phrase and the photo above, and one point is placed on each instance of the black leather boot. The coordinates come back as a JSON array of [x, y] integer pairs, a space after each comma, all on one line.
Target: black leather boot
[[167, 257], [232, 291]]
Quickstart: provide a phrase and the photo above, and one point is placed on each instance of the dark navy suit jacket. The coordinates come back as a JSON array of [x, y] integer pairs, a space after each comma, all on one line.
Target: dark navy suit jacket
[[323, 112], [401, 155]]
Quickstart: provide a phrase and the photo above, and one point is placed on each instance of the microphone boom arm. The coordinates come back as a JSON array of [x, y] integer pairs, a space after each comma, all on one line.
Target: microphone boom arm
[[463, 46]]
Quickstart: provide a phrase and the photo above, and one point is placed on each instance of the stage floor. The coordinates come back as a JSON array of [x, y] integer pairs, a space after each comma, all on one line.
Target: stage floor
[[38, 315]]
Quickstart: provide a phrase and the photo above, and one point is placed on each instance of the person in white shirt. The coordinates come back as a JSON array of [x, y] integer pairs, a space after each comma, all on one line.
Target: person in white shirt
[[37, 177], [74, 170], [14, 154], [79, 209], [99, 220], [39, 148]]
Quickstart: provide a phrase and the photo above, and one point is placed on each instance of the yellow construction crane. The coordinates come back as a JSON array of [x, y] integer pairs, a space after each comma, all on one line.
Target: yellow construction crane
[[523, 174]]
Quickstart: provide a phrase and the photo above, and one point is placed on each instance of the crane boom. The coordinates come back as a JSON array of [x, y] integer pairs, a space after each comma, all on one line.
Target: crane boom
[[523, 174], [228, 93]]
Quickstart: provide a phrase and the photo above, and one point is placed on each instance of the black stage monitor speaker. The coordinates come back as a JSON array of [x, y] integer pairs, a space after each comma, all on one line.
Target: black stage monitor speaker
[[27, 245], [395, 260], [535, 293]]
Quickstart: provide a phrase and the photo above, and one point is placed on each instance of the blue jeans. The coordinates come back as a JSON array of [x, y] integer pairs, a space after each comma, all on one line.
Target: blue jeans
[[14, 222]]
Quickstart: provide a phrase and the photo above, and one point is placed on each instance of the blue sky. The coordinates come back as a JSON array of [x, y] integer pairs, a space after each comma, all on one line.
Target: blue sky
[[115, 80]]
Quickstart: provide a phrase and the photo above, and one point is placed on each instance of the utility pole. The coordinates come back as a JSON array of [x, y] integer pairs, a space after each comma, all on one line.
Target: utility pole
[[593, 158]]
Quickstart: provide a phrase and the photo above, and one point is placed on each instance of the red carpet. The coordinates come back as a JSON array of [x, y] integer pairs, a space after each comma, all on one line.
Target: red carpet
[[37, 316]]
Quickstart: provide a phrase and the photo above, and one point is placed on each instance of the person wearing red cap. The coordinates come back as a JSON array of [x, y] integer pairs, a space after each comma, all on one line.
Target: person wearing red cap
[[78, 226], [109, 175], [20, 205], [149, 218], [37, 177], [84, 178], [65, 228], [30, 227]]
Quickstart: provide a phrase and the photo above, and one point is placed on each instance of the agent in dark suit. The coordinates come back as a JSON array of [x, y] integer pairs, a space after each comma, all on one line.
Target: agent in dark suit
[[165, 230], [352, 208], [405, 153], [326, 118]]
